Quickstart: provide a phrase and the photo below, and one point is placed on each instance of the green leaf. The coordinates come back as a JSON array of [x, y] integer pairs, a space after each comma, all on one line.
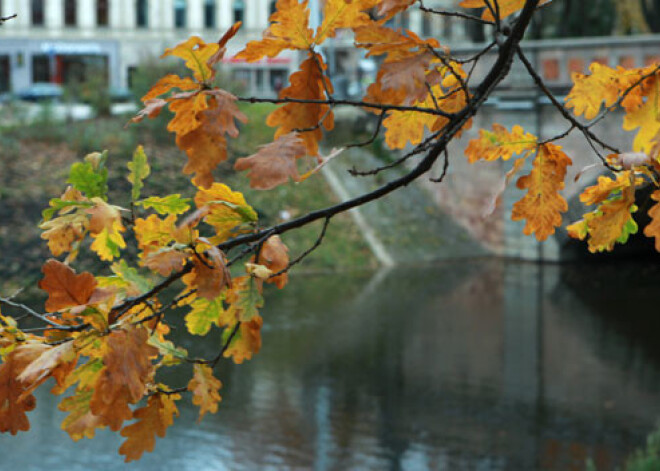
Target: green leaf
[[91, 177], [249, 301], [170, 204], [203, 315], [130, 275], [140, 170], [172, 355], [57, 204]]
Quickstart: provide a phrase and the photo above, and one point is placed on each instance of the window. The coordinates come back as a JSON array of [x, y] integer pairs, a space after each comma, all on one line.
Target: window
[[37, 7], [141, 13], [427, 23], [272, 8], [40, 69], [102, 9], [209, 13], [70, 13], [5, 74], [239, 10], [179, 13]]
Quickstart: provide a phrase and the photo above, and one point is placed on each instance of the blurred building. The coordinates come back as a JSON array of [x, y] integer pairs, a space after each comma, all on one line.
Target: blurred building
[[62, 41]]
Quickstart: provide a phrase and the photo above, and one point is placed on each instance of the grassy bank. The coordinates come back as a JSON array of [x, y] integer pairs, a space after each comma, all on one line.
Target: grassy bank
[[34, 163]]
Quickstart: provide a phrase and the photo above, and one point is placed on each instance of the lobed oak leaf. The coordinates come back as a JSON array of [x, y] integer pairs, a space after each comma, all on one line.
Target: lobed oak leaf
[[187, 108], [152, 108], [653, 228], [222, 43], [408, 75], [205, 387], [343, 14], [64, 287], [244, 300], [500, 144], [226, 209], [245, 342], [139, 171], [166, 205], [57, 361], [208, 276], [153, 419], [274, 255], [196, 53], [123, 380], [306, 84], [389, 8], [647, 118], [506, 7], [206, 145], [274, 163], [612, 223], [203, 315], [165, 261], [605, 187], [289, 29], [168, 83], [80, 423], [64, 233], [15, 401], [542, 206], [153, 232], [589, 92], [108, 243]]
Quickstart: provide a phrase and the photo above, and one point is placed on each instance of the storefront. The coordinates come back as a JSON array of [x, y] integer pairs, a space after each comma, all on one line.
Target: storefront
[[24, 63]]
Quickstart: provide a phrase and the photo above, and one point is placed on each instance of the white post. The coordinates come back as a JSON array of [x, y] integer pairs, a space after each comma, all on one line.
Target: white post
[[54, 13], [86, 15], [195, 15], [225, 14]]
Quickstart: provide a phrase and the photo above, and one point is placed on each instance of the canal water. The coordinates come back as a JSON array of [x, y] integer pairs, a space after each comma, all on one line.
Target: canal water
[[462, 366]]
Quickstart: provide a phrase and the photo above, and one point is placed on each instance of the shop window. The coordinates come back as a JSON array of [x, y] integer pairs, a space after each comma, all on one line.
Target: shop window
[[102, 9], [70, 13], [209, 13], [142, 13], [40, 69], [37, 7], [179, 13], [239, 10]]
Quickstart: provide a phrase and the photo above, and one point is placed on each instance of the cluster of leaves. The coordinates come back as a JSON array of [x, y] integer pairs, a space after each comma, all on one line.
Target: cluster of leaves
[[106, 336]]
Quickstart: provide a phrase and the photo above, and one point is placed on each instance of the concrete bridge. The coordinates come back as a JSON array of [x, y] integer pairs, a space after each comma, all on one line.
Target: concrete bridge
[[454, 225]]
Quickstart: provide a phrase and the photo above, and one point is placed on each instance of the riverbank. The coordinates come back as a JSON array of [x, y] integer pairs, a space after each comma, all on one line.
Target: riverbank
[[35, 159]]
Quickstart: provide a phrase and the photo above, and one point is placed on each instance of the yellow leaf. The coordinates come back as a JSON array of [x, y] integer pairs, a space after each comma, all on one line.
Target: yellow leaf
[[80, 423], [196, 53], [246, 342], [343, 14], [289, 29], [506, 7], [500, 144], [653, 228], [542, 205], [646, 117], [168, 83], [226, 209], [590, 91]]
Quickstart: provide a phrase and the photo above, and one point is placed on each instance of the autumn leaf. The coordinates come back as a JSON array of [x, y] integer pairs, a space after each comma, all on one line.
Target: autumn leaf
[[203, 315], [205, 387], [91, 176], [289, 29], [506, 7], [343, 14], [500, 144], [123, 380], [542, 206], [64, 233], [61, 357], [153, 419], [80, 423], [166, 205], [389, 8], [165, 261], [208, 276], [306, 84], [64, 287], [244, 299], [275, 256], [646, 117], [168, 83], [196, 53], [274, 163], [14, 401], [590, 92], [653, 228], [140, 170], [245, 342], [227, 209]]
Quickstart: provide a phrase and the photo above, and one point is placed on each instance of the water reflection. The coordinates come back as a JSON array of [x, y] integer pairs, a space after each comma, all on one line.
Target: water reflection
[[475, 366]]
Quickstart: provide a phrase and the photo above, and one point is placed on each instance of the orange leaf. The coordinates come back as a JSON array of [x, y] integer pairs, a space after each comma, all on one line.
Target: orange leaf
[[65, 289], [274, 163], [168, 83], [247, 340], [62, 357], [542, 205], [205, 387], [186, 108], [306, 84], [343, 14], [15, 400], [389, 8], [153, 419], [506, 7], [123, 380], [653, 228], [275, 256], [208, 277]]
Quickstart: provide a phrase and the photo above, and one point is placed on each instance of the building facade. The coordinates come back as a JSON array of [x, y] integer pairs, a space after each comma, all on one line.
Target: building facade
[[59, 41]]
